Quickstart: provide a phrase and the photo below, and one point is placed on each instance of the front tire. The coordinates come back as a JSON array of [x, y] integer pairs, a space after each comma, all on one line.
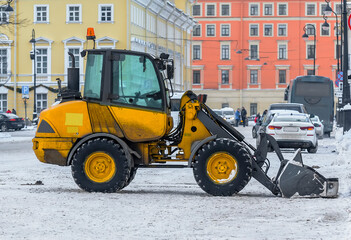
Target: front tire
[[222, 167], [100, 165], [4, 128]]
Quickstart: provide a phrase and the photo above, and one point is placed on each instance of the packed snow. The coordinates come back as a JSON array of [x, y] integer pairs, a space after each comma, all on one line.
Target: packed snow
[[41, 201]]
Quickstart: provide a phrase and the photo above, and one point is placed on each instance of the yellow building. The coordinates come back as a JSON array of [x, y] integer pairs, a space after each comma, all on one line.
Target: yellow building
[[55, 28]]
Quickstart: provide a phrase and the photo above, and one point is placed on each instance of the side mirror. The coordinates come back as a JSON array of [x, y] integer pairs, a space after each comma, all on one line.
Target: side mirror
[[170, 71], [312, 115]]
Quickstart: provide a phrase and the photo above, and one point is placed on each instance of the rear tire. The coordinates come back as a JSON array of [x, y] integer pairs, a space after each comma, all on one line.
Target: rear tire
[[100, 165], [222, 167], [133, 172], [4, 128], [313, 149]]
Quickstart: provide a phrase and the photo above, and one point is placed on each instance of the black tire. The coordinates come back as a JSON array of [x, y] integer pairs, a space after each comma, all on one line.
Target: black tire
[[3, 128], [100, 165], [133, 172], [219, 154], [313, 149]]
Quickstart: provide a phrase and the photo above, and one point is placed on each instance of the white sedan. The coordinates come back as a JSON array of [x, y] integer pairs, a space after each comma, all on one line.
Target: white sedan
[[318, 125], [294, 130]]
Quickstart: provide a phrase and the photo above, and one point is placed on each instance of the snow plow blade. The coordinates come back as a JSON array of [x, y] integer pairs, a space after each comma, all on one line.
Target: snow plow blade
[[293, 176], [298, 178]]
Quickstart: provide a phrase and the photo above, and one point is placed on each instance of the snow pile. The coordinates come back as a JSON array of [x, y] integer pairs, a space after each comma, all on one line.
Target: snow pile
[[4, 135]]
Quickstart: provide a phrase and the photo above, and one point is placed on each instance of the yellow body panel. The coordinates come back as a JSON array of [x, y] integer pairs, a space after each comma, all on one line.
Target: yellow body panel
[[140, 125]]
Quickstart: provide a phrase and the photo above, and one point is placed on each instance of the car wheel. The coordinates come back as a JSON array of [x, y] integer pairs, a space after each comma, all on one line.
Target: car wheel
[[100, 165], [4, 128], [313, 149], [222, 167]]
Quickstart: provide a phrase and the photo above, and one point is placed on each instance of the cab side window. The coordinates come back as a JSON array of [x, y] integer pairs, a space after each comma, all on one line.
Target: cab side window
[[134, 82]]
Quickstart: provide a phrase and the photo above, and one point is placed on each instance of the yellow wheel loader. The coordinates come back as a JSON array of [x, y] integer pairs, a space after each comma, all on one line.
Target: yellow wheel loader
[[122, 122]]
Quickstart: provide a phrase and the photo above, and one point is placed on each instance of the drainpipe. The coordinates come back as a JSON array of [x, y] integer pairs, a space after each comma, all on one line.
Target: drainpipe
[[15, 59], [157, 16], [146, 10]]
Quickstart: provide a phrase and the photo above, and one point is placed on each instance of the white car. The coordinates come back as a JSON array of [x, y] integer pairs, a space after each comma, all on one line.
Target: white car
[[228, 115], [218, 112], [294, 130], [318, 125]]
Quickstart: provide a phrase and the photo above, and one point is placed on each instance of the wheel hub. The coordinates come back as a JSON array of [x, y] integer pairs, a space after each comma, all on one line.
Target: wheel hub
[[100, 167], [222, 168]]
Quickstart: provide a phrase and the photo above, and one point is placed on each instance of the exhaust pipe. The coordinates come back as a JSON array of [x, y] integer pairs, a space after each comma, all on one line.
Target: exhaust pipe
[[72, 91]]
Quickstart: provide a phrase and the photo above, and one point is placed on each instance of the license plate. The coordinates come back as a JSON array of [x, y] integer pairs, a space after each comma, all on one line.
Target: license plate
[[291, 129]]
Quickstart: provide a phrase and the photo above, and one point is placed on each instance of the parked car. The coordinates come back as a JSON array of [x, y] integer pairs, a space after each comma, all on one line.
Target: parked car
[[293, 130], [219, 112], [265, 120], [228, 115], [10, 121], [288, 106], [318, 125]]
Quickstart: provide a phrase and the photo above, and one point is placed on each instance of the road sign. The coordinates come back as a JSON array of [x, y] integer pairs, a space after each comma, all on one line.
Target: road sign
[[25, 92], [348, 21], [339, 78]]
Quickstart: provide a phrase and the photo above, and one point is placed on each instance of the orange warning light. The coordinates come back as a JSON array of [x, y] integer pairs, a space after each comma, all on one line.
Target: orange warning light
[[90, 34]]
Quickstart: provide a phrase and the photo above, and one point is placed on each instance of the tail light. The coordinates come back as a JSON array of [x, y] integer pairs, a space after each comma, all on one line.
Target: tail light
[[307, 128], [274, 127], [22, 119], [12, 119]]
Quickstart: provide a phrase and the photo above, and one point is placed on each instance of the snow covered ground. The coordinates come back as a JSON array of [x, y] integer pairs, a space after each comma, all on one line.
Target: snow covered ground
[[166, 203]]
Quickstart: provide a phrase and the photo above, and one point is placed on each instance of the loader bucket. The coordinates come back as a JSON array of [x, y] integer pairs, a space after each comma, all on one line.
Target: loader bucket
[[298, 178], [295, 177]]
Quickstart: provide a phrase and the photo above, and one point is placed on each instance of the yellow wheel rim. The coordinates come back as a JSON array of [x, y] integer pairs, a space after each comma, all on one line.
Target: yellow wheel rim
[[222, 168], [100, 167]]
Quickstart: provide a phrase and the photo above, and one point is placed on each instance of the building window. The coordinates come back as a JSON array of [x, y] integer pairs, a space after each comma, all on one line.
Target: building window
[[323, 7], [210, 10], [268, 30], [254, 30], [310, 30], [4, 15], [268, 9], [76, 54], [196, 52], [42, 61], [225, 52], [3, 61], [197, 31], [310, 51], [253, 76], [282, 30], [225, 30], [225, 10], [282, 76], [3, 102], [253, 51], [254, 9], [324, 32], [196, 77], [282, 9], [211, 30], [42, 102], [74, 14], [253, 108], [310, 9], [310, 72], [225, 76], [41, 13], [105, 13], [196, 10], [282, 51]]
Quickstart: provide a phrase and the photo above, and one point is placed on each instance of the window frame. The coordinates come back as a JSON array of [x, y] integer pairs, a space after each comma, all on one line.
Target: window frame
[[226, 76], [279, 76], [222, 25], [251, 52], [278, 9], [264, 9], [310, 4], [214, 30], [214, 9], [272, 29], [36, 13], [225, 51], [322, 31], [3, 100], [286, 29], [198, 72], [100, 13], [251, 77], [221, 9], [199, 26], [258, 29], [284, 53], [41, 101], [197, 51], [258, 8], [200, 9], [3, 12], [308, 45], [68, 13]]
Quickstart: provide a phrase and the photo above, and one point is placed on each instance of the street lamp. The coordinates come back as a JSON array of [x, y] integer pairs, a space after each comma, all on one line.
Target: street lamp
[[326, 27], [33, 57], [305, 37], [9, 8]]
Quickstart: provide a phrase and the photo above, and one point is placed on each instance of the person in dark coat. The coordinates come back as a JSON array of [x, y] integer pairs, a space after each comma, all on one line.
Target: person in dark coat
[[237, 117], [14, 111], [243, 115]]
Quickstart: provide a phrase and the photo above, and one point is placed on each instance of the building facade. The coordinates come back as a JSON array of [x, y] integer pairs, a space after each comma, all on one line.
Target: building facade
[[246, 52], [55, 28]]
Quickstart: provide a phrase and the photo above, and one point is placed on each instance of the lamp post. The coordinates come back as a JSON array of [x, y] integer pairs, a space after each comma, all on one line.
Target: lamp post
[[305, 37], [33, 57]]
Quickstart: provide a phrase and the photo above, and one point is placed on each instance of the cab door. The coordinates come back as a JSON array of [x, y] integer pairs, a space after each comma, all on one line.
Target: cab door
[[137, 97]]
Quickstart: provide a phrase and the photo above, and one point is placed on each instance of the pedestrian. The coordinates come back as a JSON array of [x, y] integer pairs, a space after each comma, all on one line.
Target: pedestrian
[[14, 111], [8, 111], [257, 118], [264, 114], [243, 115], [237, 117]]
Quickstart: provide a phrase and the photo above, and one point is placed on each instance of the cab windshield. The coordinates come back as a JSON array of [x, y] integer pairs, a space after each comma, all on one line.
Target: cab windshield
[[93, 76]]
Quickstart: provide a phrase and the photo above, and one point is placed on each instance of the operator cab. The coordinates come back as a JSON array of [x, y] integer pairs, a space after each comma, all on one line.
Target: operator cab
[[127, 78]]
